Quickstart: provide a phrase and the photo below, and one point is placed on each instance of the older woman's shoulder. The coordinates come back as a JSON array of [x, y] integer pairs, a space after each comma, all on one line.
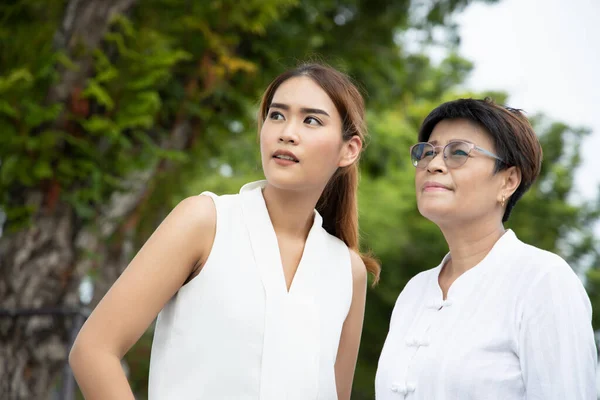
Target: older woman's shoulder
[[545, 270], [542, 261], [422, 279], [549, 283], [411, 296]]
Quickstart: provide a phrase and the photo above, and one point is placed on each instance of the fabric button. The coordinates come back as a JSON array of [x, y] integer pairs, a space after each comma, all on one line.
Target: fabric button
[[436, 305], [414, 342], [417, 343], [403, 389], [439, 304]]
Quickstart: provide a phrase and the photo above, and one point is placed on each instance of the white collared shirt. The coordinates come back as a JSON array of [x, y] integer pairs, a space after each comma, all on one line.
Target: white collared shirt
[[515, 327]]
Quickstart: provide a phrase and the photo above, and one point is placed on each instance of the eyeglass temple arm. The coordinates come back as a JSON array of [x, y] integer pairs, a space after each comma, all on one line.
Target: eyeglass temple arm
[[488, 153]]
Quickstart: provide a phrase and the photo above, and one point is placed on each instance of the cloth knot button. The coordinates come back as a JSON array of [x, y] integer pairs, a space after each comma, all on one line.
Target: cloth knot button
[[438, 305], [403, 389], [414, 342]]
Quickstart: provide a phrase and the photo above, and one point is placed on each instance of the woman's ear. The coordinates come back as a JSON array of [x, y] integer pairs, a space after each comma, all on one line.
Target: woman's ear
[[511, 182], [350, 151]]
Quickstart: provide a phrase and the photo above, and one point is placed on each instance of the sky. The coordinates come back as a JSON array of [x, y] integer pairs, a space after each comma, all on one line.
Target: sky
[[546, 55]]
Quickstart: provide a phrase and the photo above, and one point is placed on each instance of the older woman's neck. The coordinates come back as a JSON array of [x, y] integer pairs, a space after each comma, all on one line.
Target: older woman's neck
[[469, 245]]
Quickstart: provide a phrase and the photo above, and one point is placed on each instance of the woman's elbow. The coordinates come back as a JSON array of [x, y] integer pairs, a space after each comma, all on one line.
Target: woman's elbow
[[76, 355], [82, 352]]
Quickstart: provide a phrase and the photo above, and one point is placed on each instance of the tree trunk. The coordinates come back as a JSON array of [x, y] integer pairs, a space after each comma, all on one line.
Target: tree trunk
[[36, 264], [41, 266]]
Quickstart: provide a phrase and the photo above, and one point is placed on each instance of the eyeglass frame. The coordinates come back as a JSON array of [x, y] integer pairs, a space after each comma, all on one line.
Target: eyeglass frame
[[472, 146]]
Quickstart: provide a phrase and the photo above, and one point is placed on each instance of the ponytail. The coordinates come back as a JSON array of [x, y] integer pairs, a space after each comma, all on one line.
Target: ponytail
[[338, 205]]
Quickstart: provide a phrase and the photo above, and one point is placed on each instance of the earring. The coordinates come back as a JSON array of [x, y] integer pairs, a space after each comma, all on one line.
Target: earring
[[503, 201]]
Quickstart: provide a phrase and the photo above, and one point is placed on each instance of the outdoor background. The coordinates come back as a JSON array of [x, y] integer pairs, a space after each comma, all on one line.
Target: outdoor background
[[112, 111]]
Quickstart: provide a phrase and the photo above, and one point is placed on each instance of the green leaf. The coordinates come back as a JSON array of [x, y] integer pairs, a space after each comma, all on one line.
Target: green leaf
[[136, 121], [7, 109], [36, 114], [107, 75], [98, 125], [95, 91], [47, 140], [63, 59], [148, 80], [42, 169], [9, 168], [20, 76], [66, 168], [174, 155]]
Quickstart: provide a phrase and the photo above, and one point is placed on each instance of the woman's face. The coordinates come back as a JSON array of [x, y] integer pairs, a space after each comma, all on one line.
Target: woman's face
[[454, 196], [301, 138]]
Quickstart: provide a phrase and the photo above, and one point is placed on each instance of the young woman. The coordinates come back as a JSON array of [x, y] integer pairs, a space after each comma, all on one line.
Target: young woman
[[261, 294], [498, 319]]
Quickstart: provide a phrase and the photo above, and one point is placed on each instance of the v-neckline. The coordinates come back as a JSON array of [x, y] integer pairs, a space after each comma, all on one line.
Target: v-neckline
[[299, 267], [265, 243], [291, 317]]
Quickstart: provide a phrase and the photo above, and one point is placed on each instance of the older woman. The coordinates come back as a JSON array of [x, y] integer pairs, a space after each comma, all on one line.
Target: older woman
[[497, 319]]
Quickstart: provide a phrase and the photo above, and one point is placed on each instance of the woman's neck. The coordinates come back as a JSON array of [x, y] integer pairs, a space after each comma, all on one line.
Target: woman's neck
[[291, 212], [469, 245]]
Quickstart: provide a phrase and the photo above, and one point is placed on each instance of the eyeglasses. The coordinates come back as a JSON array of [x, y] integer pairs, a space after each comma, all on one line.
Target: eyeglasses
[[455, 153]]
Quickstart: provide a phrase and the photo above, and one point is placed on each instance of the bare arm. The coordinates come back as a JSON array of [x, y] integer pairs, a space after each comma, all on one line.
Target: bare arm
[[160, 268], [345, 363]]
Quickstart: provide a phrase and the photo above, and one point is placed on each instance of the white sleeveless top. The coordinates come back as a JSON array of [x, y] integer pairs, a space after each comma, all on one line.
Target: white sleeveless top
[[235, 332]]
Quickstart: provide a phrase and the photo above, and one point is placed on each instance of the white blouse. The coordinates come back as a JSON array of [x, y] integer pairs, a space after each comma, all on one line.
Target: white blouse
[[235, 332], [515, 327]]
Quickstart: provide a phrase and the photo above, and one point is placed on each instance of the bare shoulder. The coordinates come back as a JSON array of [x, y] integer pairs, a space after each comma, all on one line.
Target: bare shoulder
[[195, 212], [154, 275], [359, 270], [196, 218]]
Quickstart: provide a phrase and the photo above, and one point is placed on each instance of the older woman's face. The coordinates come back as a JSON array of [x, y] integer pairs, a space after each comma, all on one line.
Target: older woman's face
[[462, 194]]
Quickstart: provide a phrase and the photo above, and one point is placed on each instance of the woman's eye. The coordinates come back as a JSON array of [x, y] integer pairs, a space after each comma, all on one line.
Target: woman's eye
[[276, 115], [459, 152], [429, 153], [312, 121]]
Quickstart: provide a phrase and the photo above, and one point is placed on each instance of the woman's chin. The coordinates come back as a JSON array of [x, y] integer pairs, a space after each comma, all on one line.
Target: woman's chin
[[288, 179], [289, 182], [283, 179], [436, 213]]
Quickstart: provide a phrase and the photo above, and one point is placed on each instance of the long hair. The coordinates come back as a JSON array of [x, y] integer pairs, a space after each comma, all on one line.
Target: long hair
[[338, 204]]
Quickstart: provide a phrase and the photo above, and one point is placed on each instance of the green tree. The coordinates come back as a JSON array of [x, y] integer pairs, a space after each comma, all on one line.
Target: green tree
[[112, 111]]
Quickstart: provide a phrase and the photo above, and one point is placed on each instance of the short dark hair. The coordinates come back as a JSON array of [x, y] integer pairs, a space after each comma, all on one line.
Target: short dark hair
[[514, 139]]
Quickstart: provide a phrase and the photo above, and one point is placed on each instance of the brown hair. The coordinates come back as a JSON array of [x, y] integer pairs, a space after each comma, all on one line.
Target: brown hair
[[514, 139], [338, 204]]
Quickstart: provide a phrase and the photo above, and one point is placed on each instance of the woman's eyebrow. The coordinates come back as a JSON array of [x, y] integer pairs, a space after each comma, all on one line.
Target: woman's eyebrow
[[304, 110]]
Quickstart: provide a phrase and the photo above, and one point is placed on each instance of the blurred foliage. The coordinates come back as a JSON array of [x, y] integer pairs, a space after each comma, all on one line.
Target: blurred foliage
[[202, 65]]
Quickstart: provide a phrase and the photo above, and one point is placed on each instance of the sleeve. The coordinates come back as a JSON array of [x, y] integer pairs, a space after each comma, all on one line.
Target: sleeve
[[557, 349]]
